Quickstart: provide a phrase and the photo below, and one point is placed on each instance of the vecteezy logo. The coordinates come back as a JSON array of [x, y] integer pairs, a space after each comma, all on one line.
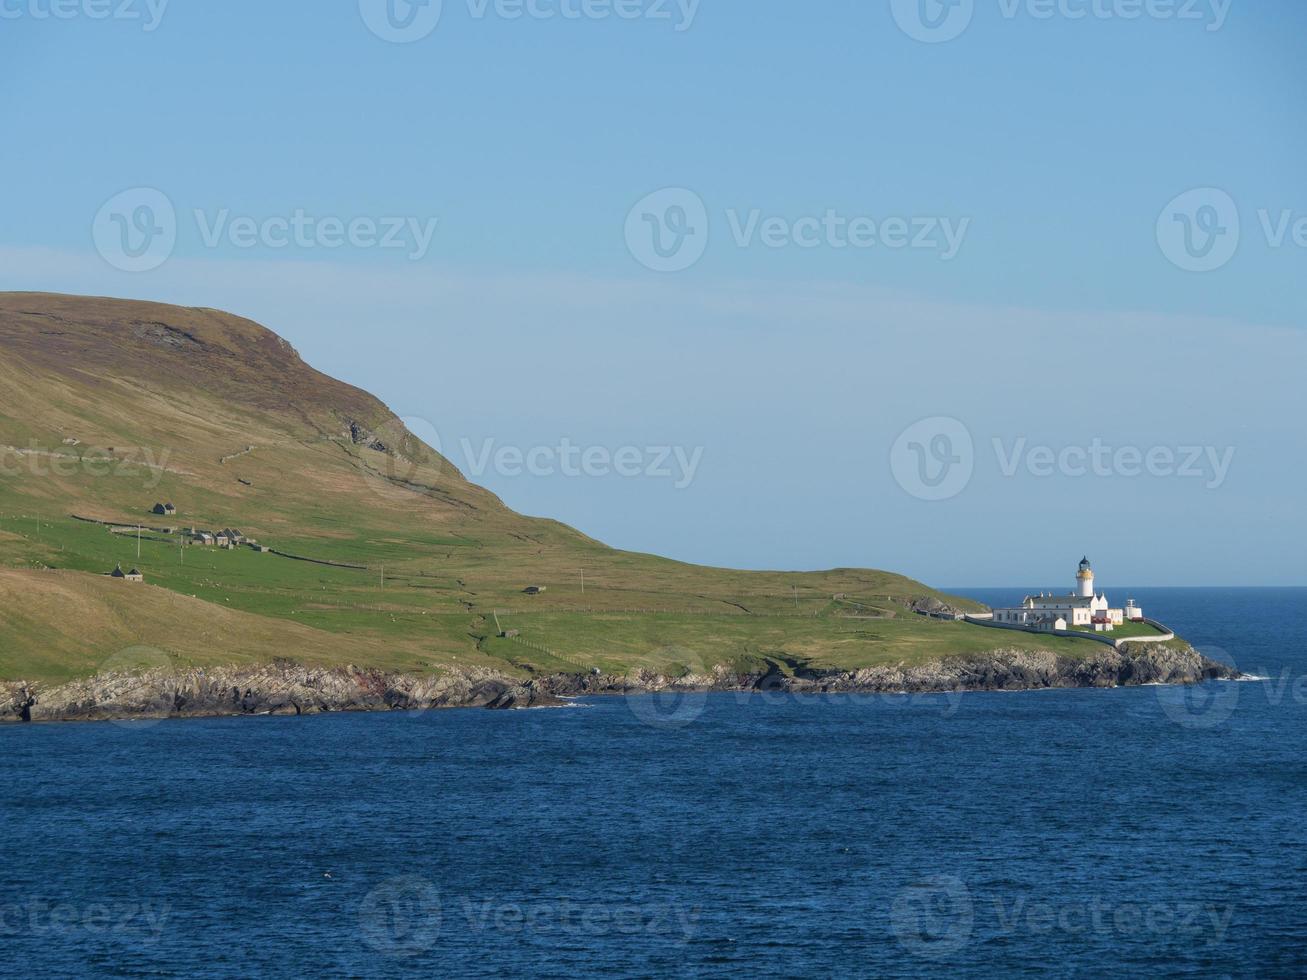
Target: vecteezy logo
[[136, 231], [396, 464], [1199, 230], [667, 231], [401, 916], [933, 459], [401, 21], [933, 21], [1205, 705], [136, 678], [934, 917], [671, 707]]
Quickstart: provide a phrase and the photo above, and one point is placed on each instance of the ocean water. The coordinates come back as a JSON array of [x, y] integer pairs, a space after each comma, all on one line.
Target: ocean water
[[1140, 832]]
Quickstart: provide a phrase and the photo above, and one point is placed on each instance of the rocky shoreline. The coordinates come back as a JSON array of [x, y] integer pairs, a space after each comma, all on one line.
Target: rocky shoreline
[[286, 688]]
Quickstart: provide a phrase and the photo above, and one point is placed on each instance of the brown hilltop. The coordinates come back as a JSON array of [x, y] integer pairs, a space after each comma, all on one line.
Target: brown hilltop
[[201, 386], [89, 339]]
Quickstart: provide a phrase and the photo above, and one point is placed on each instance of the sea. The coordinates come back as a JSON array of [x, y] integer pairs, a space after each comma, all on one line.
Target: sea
[[1154, 831]]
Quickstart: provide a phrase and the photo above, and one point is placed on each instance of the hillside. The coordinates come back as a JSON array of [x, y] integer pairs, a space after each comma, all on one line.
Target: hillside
[[109, 406]]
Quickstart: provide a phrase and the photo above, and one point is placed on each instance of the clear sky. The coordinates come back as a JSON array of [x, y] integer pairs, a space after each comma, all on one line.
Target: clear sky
[[964, 291]]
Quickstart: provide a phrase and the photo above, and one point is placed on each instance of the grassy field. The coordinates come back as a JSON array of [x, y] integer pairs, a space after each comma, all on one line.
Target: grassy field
[[107, 407]]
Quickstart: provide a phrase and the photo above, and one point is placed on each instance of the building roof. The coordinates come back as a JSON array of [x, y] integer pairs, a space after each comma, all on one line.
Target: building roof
[[1070, 599]]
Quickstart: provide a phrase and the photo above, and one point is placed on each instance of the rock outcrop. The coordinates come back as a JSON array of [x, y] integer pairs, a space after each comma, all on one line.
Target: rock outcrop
[[293, 689], [932, 606], [280, 688], [363, 437]]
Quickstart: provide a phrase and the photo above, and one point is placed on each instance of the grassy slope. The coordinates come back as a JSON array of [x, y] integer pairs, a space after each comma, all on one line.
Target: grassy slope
[[61, 625], [142, 383]]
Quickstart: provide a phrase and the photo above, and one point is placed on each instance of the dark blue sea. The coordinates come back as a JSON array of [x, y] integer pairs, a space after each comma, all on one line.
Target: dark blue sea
[[1136, 832]]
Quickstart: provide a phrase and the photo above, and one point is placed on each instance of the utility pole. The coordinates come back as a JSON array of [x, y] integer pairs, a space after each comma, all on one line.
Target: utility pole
[[582, 581], [138, 542], [796, 596]]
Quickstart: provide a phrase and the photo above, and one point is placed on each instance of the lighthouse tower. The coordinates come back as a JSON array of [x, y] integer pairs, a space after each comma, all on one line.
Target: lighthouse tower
[[1085, 580]]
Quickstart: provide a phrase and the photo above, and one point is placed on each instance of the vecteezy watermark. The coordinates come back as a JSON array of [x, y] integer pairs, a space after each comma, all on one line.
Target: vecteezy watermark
[[406, 21], [1211, 464], [149, 13], [301, 230], [669, 231], [676, 463], [41, 918], [137, 231], [565, 458], [33, 460], [937, 21], [1198, 231], [936, 917], [836, 231], [406, 455], [933, 918], [138, 698], [1201, 706], [565, 917], [399, 463], [680, 14], [403, 917], [933, 21], [1019, 916], [673, 699], [401, 21], [1213, 703], [935, 459], [942, 704], [1201, 230]]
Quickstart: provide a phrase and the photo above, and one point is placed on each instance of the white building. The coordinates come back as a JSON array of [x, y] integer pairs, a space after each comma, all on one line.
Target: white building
[[1085, 608]]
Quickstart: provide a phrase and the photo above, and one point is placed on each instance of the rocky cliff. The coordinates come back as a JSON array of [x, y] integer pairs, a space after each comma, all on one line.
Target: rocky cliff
[[289, 688]]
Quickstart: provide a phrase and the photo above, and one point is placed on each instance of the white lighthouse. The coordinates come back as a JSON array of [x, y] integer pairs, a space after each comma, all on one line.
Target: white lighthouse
[[1085, 580], [1082, 609]]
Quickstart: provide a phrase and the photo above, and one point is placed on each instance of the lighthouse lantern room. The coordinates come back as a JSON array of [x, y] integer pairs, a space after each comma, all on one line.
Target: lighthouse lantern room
[[1085, 579]]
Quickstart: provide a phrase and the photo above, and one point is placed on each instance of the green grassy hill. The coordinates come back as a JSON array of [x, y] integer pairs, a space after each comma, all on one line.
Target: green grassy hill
[[109, 406]]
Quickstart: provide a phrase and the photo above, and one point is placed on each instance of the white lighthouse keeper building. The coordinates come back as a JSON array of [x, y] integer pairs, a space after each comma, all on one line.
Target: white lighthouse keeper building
[[1085, 608]]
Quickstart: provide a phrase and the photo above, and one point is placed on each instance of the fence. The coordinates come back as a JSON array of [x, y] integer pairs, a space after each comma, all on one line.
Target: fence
[[1116, 644]]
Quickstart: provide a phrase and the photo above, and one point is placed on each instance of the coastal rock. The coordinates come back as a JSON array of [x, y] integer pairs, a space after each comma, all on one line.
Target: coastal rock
[[16, 702], [287, 688]]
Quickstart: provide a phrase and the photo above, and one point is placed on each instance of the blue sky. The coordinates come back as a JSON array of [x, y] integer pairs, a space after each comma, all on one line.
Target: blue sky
[[1051, 145]]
